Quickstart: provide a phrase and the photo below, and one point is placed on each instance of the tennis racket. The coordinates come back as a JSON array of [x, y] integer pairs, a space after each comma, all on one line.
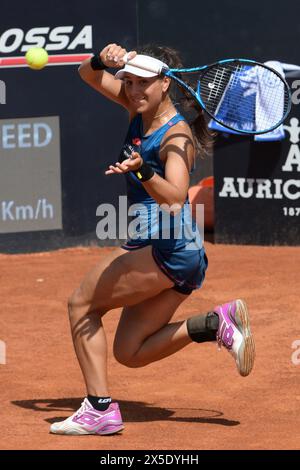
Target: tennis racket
[[240, 94]]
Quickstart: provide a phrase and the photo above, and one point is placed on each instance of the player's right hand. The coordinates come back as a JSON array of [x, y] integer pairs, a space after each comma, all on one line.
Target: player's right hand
[[133, 163], [113, 54]]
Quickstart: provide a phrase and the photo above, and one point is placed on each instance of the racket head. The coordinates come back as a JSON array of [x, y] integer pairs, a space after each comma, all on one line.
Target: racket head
[[240, 94]]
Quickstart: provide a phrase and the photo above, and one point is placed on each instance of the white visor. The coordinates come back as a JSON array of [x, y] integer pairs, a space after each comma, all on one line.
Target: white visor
[[144, 61]]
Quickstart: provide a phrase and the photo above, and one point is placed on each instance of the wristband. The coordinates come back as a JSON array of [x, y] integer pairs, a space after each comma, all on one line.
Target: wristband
[[96, 63], [144, 173]]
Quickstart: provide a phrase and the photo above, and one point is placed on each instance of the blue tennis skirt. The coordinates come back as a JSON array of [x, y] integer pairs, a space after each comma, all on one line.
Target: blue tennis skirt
[[186, 268]]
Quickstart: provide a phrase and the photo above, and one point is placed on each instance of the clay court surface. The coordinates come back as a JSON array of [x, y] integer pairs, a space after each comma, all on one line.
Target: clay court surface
[[192, 400]]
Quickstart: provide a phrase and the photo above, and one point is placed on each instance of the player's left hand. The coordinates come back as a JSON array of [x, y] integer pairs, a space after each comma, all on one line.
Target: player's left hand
[[129, 164]]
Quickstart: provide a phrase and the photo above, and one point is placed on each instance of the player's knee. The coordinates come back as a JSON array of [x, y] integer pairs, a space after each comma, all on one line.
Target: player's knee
[[125, 358], [75, 301]]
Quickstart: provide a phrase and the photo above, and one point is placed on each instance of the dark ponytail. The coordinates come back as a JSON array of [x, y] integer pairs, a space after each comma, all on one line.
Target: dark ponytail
[[193, 112]]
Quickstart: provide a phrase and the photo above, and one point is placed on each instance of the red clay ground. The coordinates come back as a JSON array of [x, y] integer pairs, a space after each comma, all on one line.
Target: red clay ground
[[192, 400]]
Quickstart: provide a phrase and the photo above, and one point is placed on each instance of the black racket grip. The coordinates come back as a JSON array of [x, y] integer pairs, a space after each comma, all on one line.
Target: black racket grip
[[126, 151]]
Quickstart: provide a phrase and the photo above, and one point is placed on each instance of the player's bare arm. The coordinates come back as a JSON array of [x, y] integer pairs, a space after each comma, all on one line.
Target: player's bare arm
[[177, 152], [103, 81]]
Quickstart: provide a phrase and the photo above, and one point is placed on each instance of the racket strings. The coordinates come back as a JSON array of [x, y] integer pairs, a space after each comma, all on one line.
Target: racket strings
[[242, 96]]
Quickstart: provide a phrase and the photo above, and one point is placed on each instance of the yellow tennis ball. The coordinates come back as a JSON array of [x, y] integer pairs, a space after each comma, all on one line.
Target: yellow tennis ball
[[36, 58]]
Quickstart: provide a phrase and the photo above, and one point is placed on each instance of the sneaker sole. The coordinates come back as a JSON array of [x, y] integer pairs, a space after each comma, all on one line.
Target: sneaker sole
[[247, 353], [113, 429]]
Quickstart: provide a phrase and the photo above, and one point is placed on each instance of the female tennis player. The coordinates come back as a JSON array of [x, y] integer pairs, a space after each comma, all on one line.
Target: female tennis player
[[163, 260]]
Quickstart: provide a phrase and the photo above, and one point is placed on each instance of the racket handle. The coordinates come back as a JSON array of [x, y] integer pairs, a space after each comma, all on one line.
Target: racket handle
[[139, 63]]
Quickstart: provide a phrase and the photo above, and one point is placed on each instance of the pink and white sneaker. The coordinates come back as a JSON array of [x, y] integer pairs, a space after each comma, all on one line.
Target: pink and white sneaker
[[87, 420], [235, 335]]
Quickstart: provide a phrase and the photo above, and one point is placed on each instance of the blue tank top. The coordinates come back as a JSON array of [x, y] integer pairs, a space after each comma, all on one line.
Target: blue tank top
[[152, 224]]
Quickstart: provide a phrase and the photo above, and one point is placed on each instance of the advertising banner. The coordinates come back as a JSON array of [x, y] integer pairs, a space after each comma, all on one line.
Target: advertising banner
[[257, 186], [57, 134]]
